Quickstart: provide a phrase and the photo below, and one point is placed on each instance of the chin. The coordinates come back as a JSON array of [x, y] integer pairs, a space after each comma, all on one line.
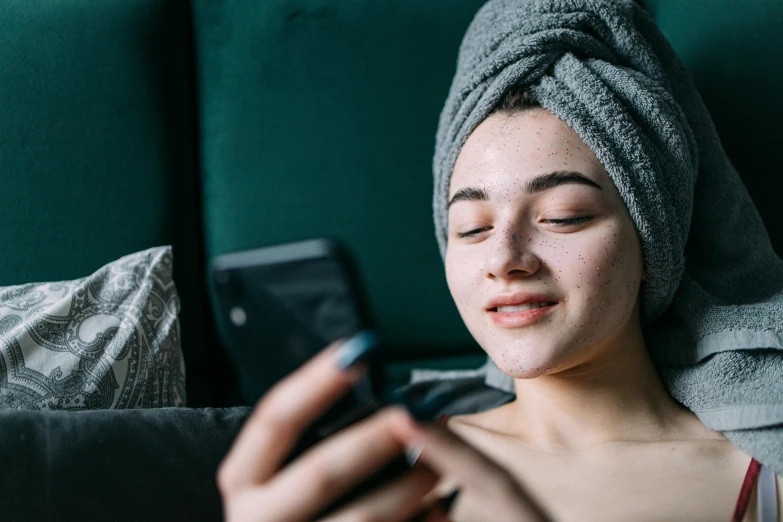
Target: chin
[[524, 361], [525, 374]]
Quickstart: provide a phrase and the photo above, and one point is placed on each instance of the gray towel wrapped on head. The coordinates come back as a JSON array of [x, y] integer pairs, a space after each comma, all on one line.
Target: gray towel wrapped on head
[[712, 305]]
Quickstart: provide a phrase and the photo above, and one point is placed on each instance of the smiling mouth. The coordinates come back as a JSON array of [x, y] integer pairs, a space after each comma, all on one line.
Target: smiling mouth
[[518, 316], [522, 307]]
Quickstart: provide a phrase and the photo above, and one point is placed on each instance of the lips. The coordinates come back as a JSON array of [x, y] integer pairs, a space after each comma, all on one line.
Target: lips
[[520, 309], [518, 298], [523, 307], [521, 318]]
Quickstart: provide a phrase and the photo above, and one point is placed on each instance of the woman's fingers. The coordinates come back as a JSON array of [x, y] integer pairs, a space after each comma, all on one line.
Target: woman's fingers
[[396, 501], [437, 510], [283, 414], [333, 467], [449, 455]]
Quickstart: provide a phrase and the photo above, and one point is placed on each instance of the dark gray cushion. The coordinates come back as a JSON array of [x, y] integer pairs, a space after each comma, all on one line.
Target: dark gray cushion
[[134, 465]]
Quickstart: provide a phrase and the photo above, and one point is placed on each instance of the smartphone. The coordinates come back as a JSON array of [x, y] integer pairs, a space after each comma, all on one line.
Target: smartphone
[[280, 305]]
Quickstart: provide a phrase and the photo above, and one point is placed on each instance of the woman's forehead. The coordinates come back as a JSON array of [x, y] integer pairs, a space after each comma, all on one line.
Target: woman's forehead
[[511, 149]]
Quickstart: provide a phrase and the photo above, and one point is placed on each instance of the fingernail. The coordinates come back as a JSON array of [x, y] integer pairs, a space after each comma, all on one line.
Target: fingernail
[[413, 454], [447, 501], [355, 350]]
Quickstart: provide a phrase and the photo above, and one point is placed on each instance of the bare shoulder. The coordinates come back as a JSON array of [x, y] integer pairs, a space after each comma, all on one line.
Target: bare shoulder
[[688, 469], [487, 420], [481, 430], [474, 429], [473, 425], [469, 419]]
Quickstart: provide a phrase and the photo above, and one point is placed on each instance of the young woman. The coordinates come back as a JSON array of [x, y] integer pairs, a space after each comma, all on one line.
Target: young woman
[[548, 265]]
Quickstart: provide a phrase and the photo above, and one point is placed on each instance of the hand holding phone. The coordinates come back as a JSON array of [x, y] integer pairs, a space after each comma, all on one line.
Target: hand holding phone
[[280, 306], [257, 483], [257, 479]]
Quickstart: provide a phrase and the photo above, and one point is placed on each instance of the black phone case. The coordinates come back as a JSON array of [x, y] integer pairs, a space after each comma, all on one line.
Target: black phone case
[[294, 300]]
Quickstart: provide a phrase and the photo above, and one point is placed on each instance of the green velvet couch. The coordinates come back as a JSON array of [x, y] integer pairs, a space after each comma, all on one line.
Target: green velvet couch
[[219, 125]]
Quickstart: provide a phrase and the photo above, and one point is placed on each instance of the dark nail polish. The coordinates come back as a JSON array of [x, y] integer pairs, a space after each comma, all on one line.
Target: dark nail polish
[[355, 349], [443, 504], [447, 501]]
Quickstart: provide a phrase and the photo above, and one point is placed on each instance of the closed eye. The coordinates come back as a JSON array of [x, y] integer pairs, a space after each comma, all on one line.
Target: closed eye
[[567, 222], [473, 232], [556, 222]]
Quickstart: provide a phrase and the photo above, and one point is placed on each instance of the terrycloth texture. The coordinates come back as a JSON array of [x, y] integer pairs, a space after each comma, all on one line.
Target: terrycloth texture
[[712, 305]]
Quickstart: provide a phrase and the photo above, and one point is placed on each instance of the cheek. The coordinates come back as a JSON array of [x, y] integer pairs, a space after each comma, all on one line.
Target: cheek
[[606, 271], [459, 275], [464, 269], [585, 261]]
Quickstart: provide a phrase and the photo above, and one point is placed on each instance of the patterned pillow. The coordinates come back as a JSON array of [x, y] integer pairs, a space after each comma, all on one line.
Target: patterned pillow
[[109, 340]]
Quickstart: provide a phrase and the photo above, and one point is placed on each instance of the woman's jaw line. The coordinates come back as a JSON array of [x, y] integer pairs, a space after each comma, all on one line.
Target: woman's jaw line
[[576, 360], [612, 393]]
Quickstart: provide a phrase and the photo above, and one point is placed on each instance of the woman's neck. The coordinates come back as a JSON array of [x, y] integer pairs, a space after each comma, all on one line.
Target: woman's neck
[[616, 396]]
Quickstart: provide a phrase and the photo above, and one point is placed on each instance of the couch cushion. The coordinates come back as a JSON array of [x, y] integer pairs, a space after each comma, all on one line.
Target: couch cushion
[[119, 465], [97, 146], [318, 118]]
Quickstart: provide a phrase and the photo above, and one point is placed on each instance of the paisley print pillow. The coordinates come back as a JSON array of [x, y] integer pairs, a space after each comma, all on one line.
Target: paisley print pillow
[[109, 340]]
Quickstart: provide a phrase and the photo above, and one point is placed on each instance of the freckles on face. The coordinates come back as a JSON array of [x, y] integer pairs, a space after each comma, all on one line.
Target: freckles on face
[[591, 269], [594, 275], [602, 271]]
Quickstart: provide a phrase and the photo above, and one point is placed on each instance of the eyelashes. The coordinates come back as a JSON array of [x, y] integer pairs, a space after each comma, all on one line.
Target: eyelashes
[[472, 232], [557, 222], [570, 221]]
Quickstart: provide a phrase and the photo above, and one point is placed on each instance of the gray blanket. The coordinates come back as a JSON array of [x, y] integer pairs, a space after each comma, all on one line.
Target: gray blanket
[[713, 301]]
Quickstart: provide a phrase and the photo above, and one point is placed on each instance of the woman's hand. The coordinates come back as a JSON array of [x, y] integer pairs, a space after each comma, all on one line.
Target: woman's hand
[[255, 486], [494, 494]]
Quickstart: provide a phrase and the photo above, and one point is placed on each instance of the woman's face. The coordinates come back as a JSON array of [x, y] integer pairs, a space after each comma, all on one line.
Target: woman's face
[[533, 215]]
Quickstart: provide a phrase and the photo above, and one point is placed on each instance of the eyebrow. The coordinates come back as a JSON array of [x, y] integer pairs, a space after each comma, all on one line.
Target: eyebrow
[[538, 184]]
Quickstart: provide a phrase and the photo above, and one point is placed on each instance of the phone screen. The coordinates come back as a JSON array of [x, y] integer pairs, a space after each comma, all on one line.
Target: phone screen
[[314, 294], [279, 307], [276, 314]]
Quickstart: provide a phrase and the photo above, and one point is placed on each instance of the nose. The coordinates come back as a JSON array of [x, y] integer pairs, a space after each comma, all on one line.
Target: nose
[[511, 256]]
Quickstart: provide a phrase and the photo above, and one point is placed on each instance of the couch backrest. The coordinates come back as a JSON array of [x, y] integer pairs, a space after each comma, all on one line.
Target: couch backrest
[[318, 118]]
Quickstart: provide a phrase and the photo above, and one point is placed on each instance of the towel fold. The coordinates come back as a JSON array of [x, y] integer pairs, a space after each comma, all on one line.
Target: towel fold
[[712, 305]]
